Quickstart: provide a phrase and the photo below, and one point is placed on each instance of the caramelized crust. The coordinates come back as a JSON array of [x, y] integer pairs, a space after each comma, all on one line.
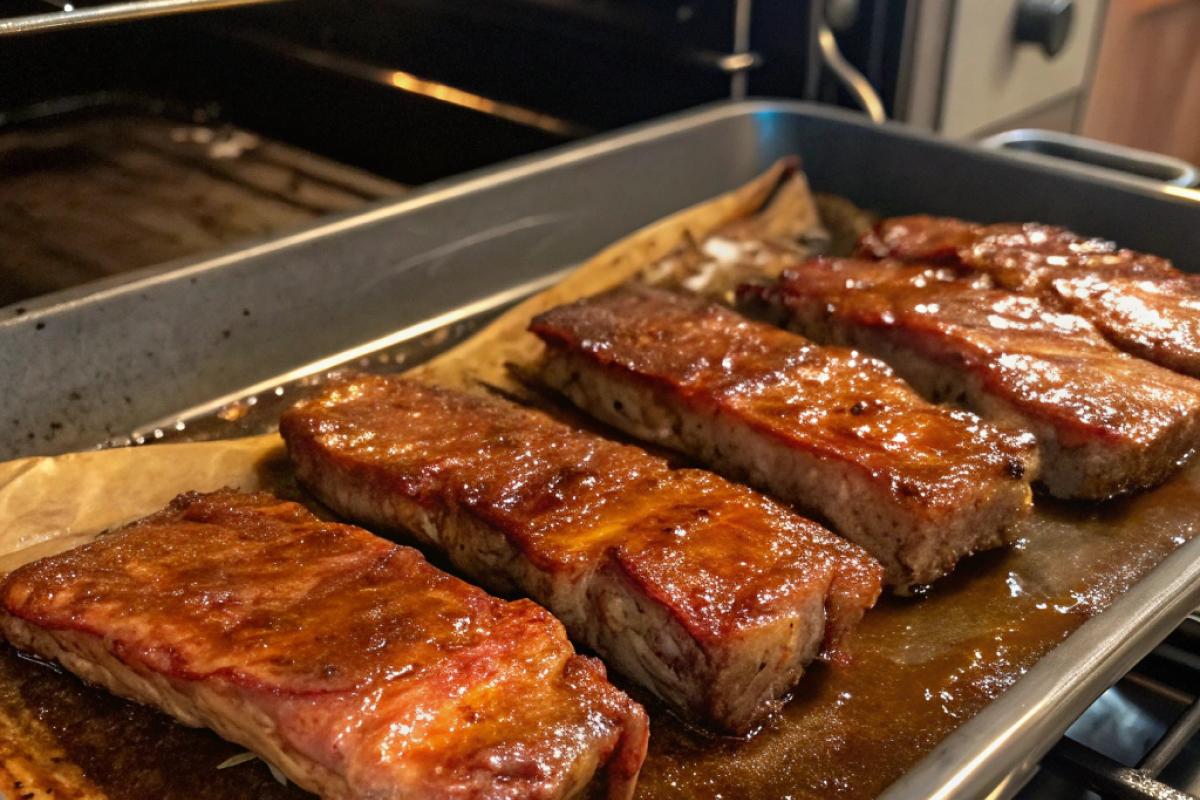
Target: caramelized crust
[[1019, 256], [711, 595], [351, 663], [1106, 422], [1153, 317], [1138, 302], [824, 428]]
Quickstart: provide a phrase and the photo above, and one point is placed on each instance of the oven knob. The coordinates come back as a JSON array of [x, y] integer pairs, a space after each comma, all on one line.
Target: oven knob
[[1046, 23]]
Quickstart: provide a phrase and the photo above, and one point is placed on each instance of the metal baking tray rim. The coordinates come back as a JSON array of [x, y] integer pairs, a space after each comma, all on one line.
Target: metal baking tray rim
[[548, 160]]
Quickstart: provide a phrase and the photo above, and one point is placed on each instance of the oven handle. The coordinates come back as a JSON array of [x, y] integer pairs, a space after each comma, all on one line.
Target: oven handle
[[71, 17], [1092, 153], [855, 82]]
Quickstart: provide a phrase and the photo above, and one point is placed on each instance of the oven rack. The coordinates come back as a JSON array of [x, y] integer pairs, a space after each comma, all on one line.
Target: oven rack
[[1174, 666], [68, 15]]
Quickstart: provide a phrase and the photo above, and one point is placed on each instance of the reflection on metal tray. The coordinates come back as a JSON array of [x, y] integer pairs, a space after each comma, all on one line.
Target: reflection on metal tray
[[272, 309], [256, 410]]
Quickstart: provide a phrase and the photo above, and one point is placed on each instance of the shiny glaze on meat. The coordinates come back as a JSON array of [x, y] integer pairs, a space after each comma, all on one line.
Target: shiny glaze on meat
[[1051, 365], [1155, 317], [720, 557], [922, 667], [365, 658], [1018, 256], [1139, 302], [839, 404]]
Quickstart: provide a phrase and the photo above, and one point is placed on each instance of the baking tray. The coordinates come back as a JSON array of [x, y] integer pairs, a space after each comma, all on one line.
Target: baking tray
[[85, 366]]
